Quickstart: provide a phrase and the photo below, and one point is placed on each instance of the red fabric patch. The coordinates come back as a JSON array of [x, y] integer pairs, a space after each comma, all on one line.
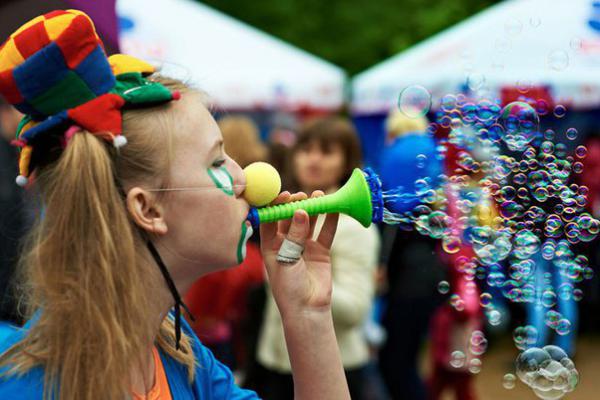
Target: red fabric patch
[[77, 41], [55, 13], [103, 114], [8, 87], [32, 39]]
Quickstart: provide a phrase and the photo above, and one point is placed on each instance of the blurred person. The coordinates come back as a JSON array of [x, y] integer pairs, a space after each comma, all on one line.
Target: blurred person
[[408, 261], [323, 158], [12, 213], [219, 300], [242, 139]]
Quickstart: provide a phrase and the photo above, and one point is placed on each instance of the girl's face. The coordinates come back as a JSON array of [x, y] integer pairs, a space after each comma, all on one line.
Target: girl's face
[[319, 167], [207, 228]]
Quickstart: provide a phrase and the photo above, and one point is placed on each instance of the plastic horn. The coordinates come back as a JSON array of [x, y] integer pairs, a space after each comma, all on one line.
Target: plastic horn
[[360, 198]]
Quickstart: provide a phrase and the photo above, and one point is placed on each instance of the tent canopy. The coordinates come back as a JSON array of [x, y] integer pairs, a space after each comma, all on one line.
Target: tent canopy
[[239, 66], [516, 43]]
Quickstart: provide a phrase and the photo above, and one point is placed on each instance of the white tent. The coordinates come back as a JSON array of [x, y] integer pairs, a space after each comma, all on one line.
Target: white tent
[[516, 43], [239, 66]]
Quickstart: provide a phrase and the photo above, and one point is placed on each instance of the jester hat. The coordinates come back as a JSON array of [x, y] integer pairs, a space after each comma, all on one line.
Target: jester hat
[[54, 70]]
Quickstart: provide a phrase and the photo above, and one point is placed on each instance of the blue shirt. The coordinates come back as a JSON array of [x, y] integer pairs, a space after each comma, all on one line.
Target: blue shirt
[[213, 380]]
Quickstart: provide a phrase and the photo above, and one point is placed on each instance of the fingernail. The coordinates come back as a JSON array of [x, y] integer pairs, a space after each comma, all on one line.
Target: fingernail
[[298, 218]]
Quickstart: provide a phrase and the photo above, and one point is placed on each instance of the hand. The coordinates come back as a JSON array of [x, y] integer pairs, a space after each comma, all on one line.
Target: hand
[[306, 285]]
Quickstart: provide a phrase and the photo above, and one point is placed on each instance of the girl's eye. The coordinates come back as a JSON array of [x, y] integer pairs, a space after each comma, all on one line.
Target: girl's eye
[[218, 163]]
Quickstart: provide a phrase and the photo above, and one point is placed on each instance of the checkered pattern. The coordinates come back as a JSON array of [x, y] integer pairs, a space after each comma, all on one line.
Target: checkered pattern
[[53, 63], [54, 70]]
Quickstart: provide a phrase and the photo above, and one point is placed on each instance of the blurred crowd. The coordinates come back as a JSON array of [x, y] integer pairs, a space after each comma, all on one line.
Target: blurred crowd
[[389, 301]]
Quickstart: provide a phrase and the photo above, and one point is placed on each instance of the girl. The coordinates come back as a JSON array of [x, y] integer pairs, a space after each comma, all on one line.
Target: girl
[[126, 228]]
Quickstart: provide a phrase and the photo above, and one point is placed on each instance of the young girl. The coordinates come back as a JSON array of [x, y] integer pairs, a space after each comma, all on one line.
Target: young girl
[[139, 201]]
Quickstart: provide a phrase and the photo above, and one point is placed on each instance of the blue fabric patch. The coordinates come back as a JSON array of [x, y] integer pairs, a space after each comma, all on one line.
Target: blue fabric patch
[[96, 72], [41, 71], [49, 123]]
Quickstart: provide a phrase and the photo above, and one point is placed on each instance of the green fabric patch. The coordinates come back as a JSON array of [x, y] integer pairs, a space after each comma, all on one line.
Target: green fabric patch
[[68, 93], [222, 179], [135, 89]]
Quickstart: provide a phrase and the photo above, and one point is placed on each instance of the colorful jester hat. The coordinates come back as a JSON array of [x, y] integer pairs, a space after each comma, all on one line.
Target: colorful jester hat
[[54, 70]]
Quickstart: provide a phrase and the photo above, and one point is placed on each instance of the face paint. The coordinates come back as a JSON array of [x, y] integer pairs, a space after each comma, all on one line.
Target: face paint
[[245, 235], [221, 177]]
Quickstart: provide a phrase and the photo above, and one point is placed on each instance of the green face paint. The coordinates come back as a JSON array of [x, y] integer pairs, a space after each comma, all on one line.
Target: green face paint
[[245, 235], [222, 179]]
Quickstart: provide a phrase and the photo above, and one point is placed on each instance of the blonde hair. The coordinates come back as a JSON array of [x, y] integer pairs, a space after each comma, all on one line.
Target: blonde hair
[[242, 141], [398, 124], [84, 268]]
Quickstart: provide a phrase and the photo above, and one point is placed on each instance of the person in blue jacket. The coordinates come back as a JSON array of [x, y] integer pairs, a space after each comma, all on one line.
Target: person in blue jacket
[[139, 200]]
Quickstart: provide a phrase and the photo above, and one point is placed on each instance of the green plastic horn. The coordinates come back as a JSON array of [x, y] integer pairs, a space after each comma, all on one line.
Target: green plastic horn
[[360, 198]]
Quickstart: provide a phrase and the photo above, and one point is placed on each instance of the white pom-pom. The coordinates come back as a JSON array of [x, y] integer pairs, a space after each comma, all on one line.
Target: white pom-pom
[[22, 180], [119, 141]]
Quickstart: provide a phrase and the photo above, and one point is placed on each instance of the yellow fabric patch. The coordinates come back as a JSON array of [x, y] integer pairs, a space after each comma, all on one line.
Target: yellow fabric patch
[[77, 12], [121, 64], [28, 25], [57, 25], [10, 57], [27, 127]]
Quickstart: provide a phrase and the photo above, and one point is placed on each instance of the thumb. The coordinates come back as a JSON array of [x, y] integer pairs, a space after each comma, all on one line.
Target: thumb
[[300, 228]]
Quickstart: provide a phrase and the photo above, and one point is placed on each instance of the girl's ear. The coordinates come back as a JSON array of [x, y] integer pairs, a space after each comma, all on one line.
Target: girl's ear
[[145, 211]]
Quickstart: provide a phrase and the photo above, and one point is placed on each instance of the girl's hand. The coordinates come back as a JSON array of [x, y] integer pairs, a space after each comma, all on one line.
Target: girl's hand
[[303, 287]]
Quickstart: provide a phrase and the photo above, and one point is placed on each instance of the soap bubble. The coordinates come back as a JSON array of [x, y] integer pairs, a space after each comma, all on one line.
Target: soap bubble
[[508, 381], [443, 287], [475, 81], [414, 101], [475, 366], [548, 371], [576, 43], [513, 26], [560, 111], [520, 123], [571, 133], [558, 60], [457, 359]]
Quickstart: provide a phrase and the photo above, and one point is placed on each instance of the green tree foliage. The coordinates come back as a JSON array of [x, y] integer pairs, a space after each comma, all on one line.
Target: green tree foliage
[[354, 34]]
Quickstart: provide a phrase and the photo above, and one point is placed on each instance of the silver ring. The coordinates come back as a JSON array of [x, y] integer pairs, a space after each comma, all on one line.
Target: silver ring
[[289, 252]]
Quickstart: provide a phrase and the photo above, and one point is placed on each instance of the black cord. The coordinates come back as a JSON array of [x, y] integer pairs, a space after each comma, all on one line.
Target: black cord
[[173, 289], [166, 275]]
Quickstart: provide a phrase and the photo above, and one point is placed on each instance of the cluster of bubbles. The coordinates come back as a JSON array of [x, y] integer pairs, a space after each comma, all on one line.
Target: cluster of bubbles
[[470, 359], [547, 370], [513, 199]]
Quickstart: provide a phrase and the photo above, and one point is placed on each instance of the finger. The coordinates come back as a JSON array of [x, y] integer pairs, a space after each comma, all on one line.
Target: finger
[[328, 230], [313, 219], [299, 228], [284, 226], [269, 231], [284, 197], [298, 196]]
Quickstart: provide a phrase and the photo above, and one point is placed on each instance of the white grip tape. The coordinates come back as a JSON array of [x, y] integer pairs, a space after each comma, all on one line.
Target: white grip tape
[[290, 252]]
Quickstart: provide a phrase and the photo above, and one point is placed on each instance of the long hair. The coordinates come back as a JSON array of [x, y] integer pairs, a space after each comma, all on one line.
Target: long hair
[[84, 268]]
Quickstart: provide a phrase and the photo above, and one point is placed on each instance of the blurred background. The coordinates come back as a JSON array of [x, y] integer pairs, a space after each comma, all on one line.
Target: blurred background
[[317, 88]]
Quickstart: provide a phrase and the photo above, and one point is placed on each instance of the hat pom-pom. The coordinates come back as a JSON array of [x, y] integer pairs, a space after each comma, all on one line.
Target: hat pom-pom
[[176, 95], [22, 180], [119, 141]]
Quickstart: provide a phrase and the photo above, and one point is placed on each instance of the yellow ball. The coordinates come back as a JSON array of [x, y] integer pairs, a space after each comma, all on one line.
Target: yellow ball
[[263, 184]]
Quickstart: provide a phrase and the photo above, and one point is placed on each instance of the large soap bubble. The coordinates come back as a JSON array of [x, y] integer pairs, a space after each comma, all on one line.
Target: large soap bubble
[[548, 371], [520, 124]]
